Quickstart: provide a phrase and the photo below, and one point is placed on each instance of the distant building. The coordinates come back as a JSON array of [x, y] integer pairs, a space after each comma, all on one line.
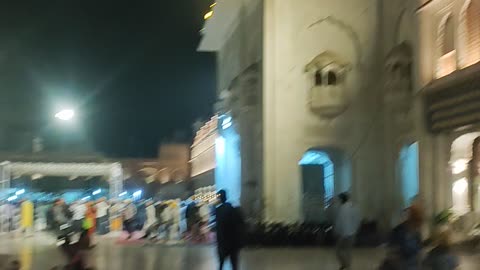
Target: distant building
[[202, 160]]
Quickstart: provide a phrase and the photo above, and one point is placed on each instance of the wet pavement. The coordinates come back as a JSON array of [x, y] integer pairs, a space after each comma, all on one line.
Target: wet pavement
[[40, 253]]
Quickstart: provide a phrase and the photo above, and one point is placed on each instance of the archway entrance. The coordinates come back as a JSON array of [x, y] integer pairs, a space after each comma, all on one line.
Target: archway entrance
[[409, 173], [465, 166], [324, 174], [112, 171]]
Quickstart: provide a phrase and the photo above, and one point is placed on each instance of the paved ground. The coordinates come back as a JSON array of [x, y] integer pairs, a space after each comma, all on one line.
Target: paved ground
[[40, 253]]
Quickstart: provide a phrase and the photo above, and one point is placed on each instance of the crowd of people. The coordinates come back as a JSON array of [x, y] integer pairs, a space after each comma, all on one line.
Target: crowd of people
[[170, 221]]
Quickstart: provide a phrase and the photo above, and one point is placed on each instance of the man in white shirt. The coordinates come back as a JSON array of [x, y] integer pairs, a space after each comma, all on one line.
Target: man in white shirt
[[346, 226], [102, 216]]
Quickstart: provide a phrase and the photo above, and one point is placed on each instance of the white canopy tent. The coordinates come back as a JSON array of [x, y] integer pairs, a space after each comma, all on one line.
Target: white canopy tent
[[112, 171]]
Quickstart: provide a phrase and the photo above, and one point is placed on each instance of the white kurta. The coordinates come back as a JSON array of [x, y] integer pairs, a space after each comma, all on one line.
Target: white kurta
[[151, 217]]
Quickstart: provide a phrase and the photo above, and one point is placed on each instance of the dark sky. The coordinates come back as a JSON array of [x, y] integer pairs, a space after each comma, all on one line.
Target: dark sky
[[130, 68]]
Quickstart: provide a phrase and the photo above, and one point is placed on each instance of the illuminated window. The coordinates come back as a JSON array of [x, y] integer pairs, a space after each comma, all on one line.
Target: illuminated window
[[447, 63], [469, 33]]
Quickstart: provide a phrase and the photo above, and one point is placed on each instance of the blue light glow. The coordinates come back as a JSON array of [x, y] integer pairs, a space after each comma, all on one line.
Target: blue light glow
[[12, 198], [96, 192], [122, 194], [227, 122], [20, 192], [86, 198], [322, 159], [409, 173], [228, 163]]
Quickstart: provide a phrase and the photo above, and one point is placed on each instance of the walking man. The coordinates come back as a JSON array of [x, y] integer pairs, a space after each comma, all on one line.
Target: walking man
[[346, 226], [102, 216], [230, 228]]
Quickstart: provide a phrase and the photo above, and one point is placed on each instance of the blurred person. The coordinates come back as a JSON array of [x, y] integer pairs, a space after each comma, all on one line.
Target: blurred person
[[102, 216], [90, 221], [204, 213], [115, 214], [347, 222], [129, 214], [193, 218], [167, 220], [42, 210], [78, 209], [60, 214], [26, 217], [6, 212], [441, 256], [405, 244], [151, 219], [230, 231]]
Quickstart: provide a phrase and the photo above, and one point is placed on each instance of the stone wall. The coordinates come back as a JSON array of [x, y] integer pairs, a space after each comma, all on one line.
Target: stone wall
[[294, 35]]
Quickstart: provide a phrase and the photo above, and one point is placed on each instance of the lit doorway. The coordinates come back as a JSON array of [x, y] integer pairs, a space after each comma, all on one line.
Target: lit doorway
[[318, 179], [409, 173]]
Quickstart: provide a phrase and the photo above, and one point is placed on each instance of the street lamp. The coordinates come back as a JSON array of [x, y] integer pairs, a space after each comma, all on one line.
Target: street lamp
[[65, 115]]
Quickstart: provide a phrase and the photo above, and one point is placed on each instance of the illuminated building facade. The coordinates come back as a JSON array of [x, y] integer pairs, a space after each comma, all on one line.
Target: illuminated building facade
[[328, 99]]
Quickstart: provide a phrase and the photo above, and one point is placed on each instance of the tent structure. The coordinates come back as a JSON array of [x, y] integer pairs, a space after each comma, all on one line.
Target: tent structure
[[112, 171]]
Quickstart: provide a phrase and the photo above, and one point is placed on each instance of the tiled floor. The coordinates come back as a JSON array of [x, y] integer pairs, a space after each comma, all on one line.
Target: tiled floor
[[40, 253]]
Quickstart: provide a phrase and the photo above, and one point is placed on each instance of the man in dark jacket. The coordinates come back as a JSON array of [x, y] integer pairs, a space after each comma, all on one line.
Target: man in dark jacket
[[230, 231]]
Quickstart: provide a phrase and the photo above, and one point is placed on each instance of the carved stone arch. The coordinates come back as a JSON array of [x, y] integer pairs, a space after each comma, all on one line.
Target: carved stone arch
[[348, 30]]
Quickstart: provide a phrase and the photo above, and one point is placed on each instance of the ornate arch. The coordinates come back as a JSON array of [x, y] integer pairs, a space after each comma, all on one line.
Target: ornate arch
[[469, 33]]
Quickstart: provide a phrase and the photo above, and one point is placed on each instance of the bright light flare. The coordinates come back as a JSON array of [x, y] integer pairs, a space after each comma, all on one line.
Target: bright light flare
[[12, 198], [459, 166], [96, 192], [460, 186], [65, 115], [208, 15], [20, 192]]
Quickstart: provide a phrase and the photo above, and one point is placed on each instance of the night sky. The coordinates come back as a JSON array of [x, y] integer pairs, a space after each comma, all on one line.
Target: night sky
[[130, 68]]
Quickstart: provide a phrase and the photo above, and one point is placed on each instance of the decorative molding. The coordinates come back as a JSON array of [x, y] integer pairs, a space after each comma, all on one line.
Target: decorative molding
[[348, 30]]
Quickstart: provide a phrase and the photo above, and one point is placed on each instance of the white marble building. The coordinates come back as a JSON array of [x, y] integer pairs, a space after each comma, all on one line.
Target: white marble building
[[350, 86]]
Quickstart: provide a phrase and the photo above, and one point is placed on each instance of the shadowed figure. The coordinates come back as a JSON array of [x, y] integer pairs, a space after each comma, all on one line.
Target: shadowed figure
[[230, 231]]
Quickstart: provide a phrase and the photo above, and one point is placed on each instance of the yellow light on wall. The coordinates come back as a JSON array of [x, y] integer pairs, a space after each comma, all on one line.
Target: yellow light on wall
[[208, 15]]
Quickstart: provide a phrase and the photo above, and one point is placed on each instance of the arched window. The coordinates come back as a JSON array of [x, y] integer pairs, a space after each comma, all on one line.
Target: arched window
[[332, 78], [447, 63], [318, 78], [470, 33], [449, 37]]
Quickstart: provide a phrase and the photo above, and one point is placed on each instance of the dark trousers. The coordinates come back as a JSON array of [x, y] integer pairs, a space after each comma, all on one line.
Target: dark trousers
[[130, 225], [78, 225], [232, 254]]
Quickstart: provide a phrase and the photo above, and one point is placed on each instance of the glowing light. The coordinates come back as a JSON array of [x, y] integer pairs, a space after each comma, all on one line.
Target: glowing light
[[137, 194], [20, 192], [86, 198], [460, 186], [122, 194], [227, 122], [208, 15], [459, 166], [220, 145], [65, 115], [212, 5], [96, 192], [12, 198]]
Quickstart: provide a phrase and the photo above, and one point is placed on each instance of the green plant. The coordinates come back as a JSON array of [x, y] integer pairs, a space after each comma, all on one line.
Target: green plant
[[443, 217]]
